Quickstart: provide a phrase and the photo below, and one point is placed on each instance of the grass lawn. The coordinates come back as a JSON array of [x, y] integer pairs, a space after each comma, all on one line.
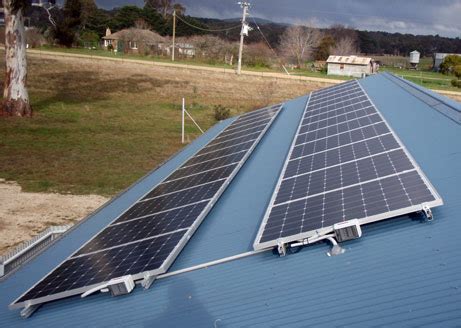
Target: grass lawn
[[427, 79], [424, 76], [98, 126]]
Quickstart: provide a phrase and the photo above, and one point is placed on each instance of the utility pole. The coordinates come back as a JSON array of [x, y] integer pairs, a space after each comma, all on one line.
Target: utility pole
[[174, 35], [245, 5]]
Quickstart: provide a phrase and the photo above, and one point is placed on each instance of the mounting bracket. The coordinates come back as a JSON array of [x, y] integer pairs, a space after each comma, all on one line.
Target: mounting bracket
[[29, 310], [428, 213], [148, 280], [281, 249]]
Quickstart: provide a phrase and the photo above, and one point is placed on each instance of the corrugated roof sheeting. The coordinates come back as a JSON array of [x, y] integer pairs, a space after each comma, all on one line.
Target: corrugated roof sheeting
[[232, 224], [402, 272], [352, 60]]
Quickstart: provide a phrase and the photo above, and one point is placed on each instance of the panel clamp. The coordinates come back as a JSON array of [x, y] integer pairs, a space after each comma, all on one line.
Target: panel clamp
[[29, 310], [281, 248], [427, 213], [148, 280]]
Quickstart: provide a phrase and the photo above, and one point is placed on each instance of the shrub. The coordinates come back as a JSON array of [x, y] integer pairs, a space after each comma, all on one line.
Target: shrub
[[449, 63], [258, 55], [34, 38], [89, 37], [456, 83], [457, 71], [221, 113]]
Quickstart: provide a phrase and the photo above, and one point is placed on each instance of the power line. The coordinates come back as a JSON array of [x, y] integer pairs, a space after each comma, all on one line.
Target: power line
[[264, 37], [207, 30], [268, 44]]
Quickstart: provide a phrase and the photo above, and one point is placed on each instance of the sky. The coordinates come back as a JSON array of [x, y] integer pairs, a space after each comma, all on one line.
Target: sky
[[441, 17]]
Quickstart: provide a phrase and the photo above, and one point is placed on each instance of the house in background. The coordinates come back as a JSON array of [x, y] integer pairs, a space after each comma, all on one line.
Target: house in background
[[134, 40], [439, 57], [184, 48], [351, 66]]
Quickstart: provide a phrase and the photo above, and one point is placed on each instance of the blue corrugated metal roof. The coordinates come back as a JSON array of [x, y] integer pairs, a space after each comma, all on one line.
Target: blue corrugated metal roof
[[401, 272]]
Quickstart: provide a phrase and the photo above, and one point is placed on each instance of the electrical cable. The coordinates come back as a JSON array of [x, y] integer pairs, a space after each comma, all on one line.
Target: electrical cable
[[268, 44], [207, 30]]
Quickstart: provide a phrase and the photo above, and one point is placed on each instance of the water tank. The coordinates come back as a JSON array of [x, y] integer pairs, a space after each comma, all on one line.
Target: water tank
[[414, 57]]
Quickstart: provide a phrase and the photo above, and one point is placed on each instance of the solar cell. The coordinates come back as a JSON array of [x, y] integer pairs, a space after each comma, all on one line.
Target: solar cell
[[148, 236], [78, 273], [345, 163], [204, 157]]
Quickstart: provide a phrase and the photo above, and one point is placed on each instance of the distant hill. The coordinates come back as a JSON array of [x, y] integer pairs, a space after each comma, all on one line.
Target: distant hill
[[259, 21], [369, 42]]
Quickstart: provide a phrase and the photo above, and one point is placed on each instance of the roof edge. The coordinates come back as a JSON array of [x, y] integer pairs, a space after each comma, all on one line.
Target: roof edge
[[442, 104]]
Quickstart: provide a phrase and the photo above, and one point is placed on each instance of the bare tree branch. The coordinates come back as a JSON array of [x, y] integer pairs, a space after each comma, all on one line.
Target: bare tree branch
[[345, 47], [299, 42]]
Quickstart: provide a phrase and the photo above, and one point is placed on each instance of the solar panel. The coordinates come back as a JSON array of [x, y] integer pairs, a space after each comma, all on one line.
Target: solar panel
[[145, 240], [345, 163]]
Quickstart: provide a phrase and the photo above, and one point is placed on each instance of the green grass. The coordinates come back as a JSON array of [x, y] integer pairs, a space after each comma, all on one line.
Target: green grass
[[89, 133], [96, 148], [427, 79], [424, 76], [109, 54], [99, 126]]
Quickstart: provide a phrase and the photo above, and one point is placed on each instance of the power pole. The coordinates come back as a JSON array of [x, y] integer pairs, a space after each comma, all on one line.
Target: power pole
[[243, 33], [174, 36]]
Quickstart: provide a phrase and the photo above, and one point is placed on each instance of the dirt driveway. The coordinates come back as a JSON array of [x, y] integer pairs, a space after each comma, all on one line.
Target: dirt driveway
[[24, 215]]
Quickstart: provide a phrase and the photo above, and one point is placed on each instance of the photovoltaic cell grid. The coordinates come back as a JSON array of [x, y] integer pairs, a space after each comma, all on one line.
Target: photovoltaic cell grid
[[345, 163], [151, 233]]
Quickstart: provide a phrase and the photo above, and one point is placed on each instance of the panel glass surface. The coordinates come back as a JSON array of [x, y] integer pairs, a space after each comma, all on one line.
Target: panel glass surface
[[345, 163]]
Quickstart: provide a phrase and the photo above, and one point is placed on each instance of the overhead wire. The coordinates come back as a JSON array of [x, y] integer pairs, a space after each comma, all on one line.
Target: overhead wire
[[268, 43], [207, 30]]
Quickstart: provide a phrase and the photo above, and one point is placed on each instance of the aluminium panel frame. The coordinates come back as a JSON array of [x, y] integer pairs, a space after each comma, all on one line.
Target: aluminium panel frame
[[257, 245]]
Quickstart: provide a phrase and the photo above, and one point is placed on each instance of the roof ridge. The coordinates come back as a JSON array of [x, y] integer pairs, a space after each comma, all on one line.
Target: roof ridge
[[448, 108]]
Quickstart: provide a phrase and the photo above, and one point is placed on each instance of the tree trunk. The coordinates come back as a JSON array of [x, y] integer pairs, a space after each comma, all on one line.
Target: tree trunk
[[15, 95]]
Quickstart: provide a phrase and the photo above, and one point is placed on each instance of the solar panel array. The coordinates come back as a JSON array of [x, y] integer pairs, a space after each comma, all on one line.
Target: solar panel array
[[345, 163], [151, 233]]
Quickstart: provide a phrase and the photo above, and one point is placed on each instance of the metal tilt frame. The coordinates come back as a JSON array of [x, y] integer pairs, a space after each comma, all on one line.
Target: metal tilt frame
[[244, 32]]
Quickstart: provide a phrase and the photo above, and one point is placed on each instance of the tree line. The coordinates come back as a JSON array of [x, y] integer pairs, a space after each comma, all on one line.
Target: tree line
[[82, 20]]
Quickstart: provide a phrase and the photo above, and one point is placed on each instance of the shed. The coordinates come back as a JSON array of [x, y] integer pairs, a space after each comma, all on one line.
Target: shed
[[351, 66], [134, 40], [401, 272], [439, 58]]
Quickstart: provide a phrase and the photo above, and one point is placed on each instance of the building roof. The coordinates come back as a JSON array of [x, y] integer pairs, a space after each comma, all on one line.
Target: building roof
[[442, 55], [136, 34], [401, 272], [351, 60]]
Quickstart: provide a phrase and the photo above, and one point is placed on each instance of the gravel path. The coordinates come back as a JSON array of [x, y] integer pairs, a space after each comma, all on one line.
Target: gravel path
[[24, 215]]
